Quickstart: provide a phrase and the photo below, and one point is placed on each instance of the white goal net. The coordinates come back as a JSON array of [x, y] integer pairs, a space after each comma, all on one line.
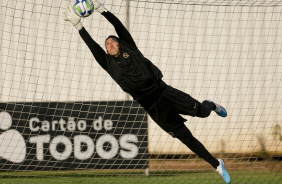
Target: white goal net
[[60, 111]]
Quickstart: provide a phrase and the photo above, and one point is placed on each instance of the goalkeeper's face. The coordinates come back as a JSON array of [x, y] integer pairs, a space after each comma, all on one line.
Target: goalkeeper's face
[[113, 47]]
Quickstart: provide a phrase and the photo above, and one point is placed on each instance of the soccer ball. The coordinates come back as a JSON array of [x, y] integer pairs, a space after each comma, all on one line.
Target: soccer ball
[[83, 8]]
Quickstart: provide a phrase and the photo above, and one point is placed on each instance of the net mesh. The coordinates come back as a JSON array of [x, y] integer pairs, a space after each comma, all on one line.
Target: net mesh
[[226, 51]]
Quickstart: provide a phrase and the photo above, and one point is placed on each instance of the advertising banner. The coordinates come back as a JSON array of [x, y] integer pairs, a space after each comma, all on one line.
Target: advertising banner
[[73, 135]]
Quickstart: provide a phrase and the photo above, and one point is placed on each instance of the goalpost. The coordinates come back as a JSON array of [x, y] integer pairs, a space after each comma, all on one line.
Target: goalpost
[[60, 111]]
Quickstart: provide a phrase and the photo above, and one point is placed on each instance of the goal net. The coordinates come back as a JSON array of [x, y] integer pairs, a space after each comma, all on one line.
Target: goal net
[[63, 119]]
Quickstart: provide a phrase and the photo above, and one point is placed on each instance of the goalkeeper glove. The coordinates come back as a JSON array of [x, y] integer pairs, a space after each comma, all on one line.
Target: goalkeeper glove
[[72, 18], [99, 6]]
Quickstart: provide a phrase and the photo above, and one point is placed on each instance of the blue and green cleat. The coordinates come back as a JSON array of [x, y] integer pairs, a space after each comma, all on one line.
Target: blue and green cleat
[[222, 171], [219, 109]]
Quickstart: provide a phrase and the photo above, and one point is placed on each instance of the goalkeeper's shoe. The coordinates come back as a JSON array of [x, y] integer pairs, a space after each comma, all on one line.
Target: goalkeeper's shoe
[[222, 171], [219, 109]]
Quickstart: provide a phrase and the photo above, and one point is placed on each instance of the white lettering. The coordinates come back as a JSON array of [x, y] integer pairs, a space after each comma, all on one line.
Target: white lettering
[[81, 125], [62, 122], [71, 124], [78, 141], [97, 124], [45, 126], [108, 125], [54, 125], [39, 140], [53, 147], [31, 121], [114, 146], [126, 142]]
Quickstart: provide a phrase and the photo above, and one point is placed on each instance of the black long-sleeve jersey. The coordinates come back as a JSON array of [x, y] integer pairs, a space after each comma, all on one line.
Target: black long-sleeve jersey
[[134, 73]]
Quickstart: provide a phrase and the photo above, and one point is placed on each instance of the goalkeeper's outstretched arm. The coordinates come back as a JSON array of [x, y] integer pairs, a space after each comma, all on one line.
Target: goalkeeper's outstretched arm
[[119, 27], [99, 54]]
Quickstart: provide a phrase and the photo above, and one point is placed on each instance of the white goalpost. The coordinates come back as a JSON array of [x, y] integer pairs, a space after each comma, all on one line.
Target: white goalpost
[[62, 116]]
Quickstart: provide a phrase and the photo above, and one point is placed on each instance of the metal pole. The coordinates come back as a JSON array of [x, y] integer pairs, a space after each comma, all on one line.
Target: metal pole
[[127, 14], [128, 28]]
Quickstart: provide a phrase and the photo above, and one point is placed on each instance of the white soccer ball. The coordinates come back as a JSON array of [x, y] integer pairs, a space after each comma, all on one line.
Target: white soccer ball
[[83, 8]]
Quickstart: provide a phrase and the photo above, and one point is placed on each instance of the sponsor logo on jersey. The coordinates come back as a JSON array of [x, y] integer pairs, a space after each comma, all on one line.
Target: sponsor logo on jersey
[[125, 55]]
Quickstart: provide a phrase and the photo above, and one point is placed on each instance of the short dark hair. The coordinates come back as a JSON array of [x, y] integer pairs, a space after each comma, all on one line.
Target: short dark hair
[[113, 37]]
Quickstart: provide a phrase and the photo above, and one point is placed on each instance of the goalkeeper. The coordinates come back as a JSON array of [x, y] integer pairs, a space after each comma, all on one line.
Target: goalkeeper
[[139, 77]]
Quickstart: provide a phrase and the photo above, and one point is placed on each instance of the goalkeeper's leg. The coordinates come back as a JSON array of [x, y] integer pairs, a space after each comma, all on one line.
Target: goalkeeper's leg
[[185, 104], [173, 124], [186, 137], [207, 106]]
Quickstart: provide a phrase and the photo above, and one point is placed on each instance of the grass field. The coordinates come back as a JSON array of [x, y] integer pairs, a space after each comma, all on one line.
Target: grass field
[[88, 177]]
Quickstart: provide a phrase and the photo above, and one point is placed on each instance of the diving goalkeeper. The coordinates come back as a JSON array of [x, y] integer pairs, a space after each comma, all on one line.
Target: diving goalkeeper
[[139, 77]]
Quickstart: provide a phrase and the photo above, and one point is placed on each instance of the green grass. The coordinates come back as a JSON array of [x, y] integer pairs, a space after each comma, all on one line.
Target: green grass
[[88, 177]]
